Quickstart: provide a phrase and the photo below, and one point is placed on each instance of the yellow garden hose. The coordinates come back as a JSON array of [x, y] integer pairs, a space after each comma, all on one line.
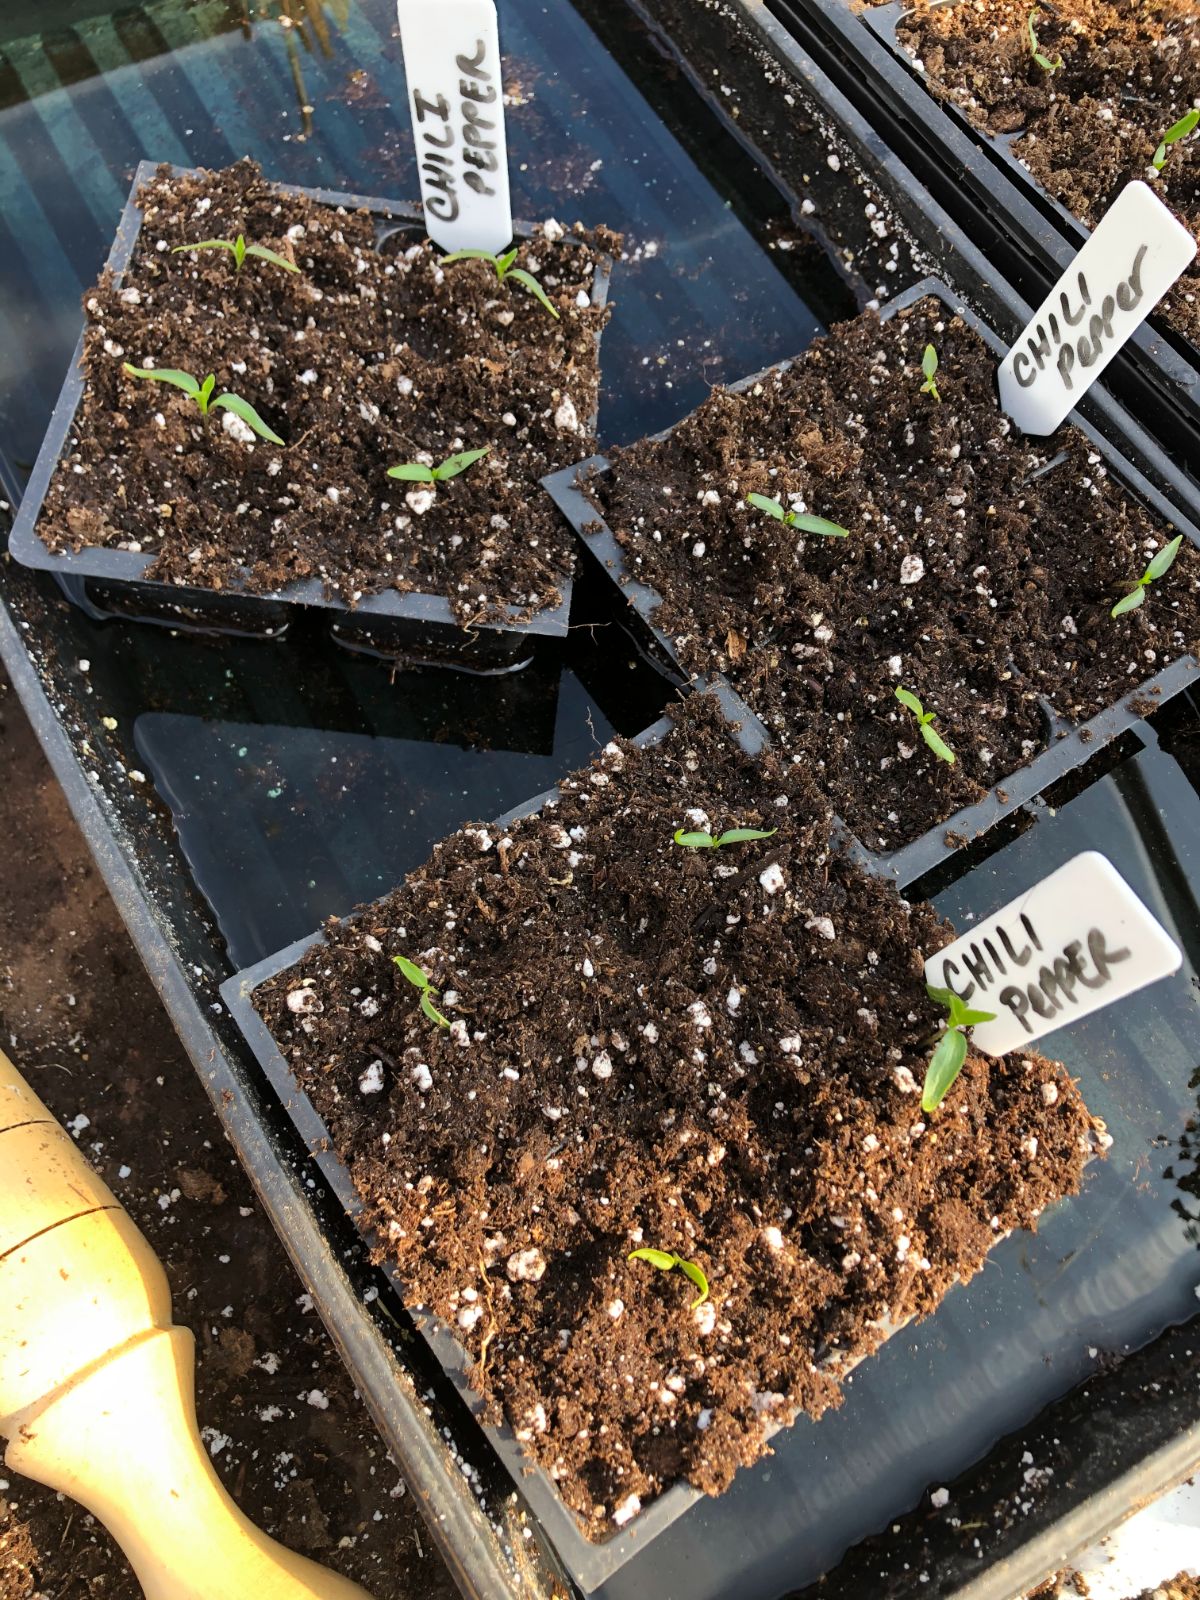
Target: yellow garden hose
[[96, 1385]]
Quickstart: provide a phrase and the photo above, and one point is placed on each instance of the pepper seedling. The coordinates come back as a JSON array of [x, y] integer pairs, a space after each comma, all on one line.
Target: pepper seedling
[[705, 841], [420, 982], [239, 250], [201, 393], [505, 270], [1035, 49], [666, 1260], [1179, 130], [1161, 563], [925, 720], [800, 520], [947, 1060], [929, 366], [417, 472]]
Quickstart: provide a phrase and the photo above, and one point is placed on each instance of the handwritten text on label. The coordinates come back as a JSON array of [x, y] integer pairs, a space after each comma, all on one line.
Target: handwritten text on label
[[452, 63], [1131, 260], [1077, 941]]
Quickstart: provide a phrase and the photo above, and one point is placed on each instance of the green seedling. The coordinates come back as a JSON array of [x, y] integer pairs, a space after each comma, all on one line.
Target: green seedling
[[420, 982], [666, 1260], [202, 394], [417, 472], [1180, 130], [1161, 563], [929, 366], [925, 720], [505, 270], [239, 250], [947, 1060], [797, 519], [1035, 49], [705, 841]]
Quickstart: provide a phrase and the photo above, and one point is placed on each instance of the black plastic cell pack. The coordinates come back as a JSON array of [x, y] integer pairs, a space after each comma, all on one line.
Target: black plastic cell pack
[[1068, 747], [590, 1563], [1029, 235], [400, 622]]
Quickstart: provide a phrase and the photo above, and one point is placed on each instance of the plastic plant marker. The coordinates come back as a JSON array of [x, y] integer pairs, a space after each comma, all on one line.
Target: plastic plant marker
[[96, 1395], [1078, 940], [452, 63], [1133, 257]]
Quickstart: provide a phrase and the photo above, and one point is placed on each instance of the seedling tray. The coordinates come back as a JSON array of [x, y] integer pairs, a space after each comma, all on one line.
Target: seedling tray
[[392, 621], [1026, 232], [1070, 746], [590, 1563]]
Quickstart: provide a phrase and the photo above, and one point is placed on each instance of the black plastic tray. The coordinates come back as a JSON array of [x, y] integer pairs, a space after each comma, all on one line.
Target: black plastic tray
[[590, 1563], [1070, 746], [1029, 236], [412, 620]]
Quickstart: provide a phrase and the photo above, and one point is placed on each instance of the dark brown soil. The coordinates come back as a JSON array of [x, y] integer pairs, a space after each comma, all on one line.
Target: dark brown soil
[[980, 591], [715, 1053], [1130, 71], [79, 1017], [364, 360], [1181, 1587]]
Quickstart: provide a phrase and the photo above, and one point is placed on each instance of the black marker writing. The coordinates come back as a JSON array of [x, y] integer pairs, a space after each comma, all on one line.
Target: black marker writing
[[457, 144], [1057, 983], [1093, 342]]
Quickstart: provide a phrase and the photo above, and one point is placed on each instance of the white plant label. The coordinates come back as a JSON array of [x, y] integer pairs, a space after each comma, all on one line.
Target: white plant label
[[452, 64], [1134, 255], [1077, 941]]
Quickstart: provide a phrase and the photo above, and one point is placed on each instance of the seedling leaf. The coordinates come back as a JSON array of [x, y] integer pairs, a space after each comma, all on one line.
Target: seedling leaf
[[1035, 51], [431, 1011], [810, 524], [773, 508], [946, 1062], [1179, 130], [207, 244], [181, 380], [468, 255], [528, 281], [243, 408], [907, 698], [662, 1259], [1161, 563], [261, 251], [692, 1271], [944, 1067], [695, 841], [937, 744], [1130, 602], [1164, 560], [413, 472], [412, 972], [666, 1260], [929, 366], [741, 835], [802, 520], [453, 465]]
